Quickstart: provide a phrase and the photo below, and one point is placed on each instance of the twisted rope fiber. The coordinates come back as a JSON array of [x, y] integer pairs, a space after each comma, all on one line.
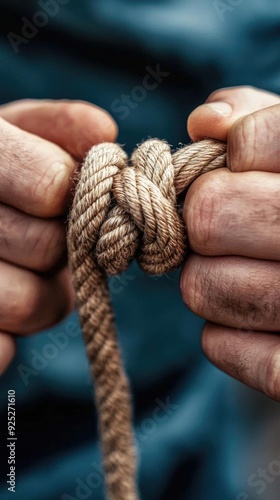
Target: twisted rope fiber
[[123, 210]]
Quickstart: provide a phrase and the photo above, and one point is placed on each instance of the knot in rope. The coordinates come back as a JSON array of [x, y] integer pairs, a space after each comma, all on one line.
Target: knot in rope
[[124, 209]]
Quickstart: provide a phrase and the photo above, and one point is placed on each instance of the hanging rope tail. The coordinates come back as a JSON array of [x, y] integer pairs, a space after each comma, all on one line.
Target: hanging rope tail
[[120, 211]]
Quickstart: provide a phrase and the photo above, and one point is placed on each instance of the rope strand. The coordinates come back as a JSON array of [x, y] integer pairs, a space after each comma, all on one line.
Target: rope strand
[[120, 211]]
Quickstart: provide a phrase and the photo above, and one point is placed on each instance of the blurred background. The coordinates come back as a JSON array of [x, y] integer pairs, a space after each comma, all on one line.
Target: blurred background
[[148, 63]]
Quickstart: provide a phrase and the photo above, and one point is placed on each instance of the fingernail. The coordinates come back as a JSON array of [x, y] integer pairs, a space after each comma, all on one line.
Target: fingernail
[[223, 108]]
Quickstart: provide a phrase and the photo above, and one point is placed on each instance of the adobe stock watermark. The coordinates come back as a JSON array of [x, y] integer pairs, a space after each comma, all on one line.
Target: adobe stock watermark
[[261, 479], [58, 341], [226, 6], [162, 411], [127, 102], [118, 283], [31, 27], [85, 486]]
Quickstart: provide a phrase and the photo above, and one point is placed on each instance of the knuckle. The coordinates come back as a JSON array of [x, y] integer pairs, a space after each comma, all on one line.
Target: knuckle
[[217, 95], [47, 170], [272, 375], [67, 114], [13, 150], [26, 305], [242, 143], [206, 344], [240, 365], [50, 190], [105, 127], [108, 127], [192, 286], [204, 340], [2, 126], [47, 245], [241, 303], [203, 214], [225, 93]]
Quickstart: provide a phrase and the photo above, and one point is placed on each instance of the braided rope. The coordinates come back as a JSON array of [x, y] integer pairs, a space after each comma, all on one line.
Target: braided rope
[[122, 210]]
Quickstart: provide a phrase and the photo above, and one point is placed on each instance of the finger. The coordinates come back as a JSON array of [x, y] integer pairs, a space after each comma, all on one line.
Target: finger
[[29, 303], [223, 107], [7, 351], [254, 141], [233, 291], [75, 126], [251, 357], [31, 242], [234, 214], [36, 175]]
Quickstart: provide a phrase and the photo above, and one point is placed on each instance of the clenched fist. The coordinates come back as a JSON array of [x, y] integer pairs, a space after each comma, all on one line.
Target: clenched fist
[[40, 144], [233, 220]]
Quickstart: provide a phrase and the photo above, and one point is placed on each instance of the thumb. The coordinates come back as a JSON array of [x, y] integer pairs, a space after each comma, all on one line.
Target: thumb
[[214, 118]]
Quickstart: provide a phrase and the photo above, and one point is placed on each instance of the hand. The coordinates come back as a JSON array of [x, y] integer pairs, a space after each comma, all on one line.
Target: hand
[[233, 221], [40, 142]]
